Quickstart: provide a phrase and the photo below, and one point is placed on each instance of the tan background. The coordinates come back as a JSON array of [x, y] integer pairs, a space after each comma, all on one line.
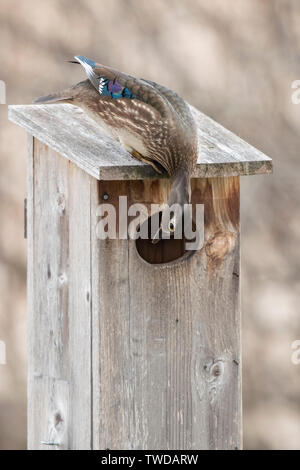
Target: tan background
[[233, 59]]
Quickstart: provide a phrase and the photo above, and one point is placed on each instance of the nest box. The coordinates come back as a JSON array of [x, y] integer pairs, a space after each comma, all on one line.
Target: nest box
[[130, 346]]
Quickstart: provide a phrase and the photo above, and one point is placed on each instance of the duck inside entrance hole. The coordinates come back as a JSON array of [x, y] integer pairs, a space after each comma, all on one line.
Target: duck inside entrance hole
[[165, 250]]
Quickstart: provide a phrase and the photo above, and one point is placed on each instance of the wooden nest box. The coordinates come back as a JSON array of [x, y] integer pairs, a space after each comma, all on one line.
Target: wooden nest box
[[126, 352]]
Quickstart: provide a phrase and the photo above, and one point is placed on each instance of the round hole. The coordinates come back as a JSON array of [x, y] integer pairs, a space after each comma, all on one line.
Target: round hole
[[165, 250]]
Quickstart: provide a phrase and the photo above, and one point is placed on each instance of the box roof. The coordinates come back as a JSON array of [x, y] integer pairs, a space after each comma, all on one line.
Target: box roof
[[72, 133]]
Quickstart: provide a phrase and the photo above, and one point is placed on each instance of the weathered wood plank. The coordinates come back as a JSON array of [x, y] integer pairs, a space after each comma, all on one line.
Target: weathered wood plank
[[59, 303], [123, 354], [166, 348], [69, 131], [31, 406]]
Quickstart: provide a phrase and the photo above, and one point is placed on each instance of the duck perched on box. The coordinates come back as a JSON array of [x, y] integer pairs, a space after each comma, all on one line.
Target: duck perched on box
[[152, 122]]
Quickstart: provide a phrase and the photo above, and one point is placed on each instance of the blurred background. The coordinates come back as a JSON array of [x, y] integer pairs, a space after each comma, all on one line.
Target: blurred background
[[235, 61]]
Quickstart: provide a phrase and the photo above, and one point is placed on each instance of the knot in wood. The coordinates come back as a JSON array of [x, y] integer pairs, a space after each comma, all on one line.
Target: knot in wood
[[61, 203], [58, 421], [214, 370], [218, 247]]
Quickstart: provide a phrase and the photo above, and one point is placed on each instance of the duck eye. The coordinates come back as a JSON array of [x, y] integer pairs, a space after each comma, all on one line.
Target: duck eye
[[171, 227]]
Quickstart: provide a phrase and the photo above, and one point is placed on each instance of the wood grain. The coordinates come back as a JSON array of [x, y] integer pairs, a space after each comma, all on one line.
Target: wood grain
[[69, 131], [166, 357], [123, 354], [59, 303]]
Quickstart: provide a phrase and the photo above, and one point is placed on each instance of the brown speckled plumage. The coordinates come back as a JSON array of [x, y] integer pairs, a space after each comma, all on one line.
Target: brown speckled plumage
[[153, 123]]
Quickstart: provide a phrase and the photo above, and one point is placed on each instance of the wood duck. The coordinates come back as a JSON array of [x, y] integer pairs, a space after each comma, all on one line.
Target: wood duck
[[152, 122]]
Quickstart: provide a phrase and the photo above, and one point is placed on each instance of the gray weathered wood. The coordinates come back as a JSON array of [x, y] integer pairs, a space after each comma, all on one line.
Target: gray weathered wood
[[166, 339], [31, 406], [69, 131], [123, 354], [59, 302]]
